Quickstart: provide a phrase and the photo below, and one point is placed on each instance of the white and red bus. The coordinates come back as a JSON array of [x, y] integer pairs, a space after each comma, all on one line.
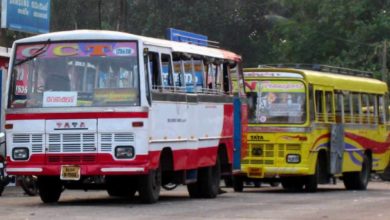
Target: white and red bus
[[121, 112]]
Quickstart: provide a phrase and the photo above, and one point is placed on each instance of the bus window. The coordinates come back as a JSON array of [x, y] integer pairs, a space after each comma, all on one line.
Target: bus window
[[381, 109], [373, 113], [329, 108], [166, 71], [198, 72], [155, 70], [178, 72], [211, 76], [276, 102], [356, 108], [367, 109], [339, 100], [226, 85], [320, 116], [147, 83]]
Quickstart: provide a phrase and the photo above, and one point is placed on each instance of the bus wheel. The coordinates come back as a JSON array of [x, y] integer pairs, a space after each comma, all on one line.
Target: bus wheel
[[1, 188], [194, 190], [149, 186], [293, 184], [238, 184], [210, 178], [118, 186], [311, 182], [50, 188], [358, 180]]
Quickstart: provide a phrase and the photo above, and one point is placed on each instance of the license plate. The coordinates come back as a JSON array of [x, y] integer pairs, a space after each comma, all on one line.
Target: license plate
[[70, 173], [255, 172]]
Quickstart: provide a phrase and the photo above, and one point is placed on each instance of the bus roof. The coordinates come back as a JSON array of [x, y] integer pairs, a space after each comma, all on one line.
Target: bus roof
[[337, 81], [110, 35]]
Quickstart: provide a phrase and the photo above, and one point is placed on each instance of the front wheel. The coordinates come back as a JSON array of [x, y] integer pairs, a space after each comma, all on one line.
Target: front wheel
[[50, 188], [29, 185], [207, 185], [118, 186], [293, 184], [238, 184], [149, 186], [358, 180], [311, 183]]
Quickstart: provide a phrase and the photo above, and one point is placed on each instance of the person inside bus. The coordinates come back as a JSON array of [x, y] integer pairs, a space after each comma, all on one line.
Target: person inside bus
[[55, 76]]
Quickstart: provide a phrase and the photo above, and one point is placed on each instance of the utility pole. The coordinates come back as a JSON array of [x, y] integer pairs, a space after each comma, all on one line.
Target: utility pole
[[384, 63]]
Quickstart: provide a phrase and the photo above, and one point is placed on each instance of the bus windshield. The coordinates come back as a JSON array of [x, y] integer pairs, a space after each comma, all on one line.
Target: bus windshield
[[276, 102], [75, 74]]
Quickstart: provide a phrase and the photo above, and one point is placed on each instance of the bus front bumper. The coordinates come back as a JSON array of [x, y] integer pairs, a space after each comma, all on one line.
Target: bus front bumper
[[272, 171]]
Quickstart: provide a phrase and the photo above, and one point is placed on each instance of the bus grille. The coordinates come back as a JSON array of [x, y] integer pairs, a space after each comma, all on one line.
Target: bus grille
[[33, 140], [108, 141], [71, 143], [269, 153]]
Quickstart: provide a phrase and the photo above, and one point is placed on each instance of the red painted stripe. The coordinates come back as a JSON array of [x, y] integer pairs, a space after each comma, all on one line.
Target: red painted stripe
[[375, 146], [76, 115]]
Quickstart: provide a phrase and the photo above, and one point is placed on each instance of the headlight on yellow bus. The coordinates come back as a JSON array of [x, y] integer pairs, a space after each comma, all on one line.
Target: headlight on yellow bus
[[293, 158], [20, 153], [124, 152]]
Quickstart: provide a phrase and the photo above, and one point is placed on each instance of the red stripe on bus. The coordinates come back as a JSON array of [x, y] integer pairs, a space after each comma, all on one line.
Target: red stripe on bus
[[76, 115]]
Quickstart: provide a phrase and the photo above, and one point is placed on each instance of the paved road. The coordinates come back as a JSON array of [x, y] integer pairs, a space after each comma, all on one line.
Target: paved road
[[331, 202]]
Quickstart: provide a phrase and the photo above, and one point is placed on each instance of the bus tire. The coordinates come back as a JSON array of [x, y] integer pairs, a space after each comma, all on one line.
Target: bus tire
[[311, 182], [50, 188], [292, 184], [210, 178], [238, 184], [358, 180], [1, 188], [207, 185], [149, 186], [118, 186], [194, 190]]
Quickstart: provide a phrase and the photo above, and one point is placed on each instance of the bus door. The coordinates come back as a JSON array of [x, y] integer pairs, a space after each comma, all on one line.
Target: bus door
[[337, 135], [327, 112]]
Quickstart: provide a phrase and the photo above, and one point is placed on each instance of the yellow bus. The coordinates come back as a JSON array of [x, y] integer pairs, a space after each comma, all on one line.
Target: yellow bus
[[308, 127]]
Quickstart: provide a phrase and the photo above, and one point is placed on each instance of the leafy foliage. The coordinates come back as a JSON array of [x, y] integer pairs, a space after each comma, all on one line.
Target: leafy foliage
[[348, 33]]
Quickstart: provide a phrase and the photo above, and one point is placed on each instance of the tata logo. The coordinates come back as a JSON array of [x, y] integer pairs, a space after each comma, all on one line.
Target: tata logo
[[257, 138], [71, 126]]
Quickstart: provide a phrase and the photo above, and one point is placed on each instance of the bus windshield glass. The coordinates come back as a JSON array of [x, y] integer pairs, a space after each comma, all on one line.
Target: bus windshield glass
[[75, 74], [276, 102]]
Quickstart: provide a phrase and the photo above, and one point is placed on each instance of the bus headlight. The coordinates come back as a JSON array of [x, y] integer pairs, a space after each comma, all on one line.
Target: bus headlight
[[293, 158], [20, 153], [124, 152]]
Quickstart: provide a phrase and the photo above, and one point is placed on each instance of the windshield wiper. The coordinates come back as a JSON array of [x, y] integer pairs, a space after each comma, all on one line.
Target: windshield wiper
[[36, 54]]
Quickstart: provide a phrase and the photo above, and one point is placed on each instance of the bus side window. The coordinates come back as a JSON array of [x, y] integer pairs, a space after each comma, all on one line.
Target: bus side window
[[211, 69], [147, 85], [329, 108], [372, 101], [319, 112], [166, 71], [339, 100], [155, 70], [178, 73], [226, 78], [356, 108], [381, 109], [198, 72], [365, 109]]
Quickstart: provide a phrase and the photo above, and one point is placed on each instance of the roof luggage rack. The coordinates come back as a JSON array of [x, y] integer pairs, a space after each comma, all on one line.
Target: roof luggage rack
[[322, 68]]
